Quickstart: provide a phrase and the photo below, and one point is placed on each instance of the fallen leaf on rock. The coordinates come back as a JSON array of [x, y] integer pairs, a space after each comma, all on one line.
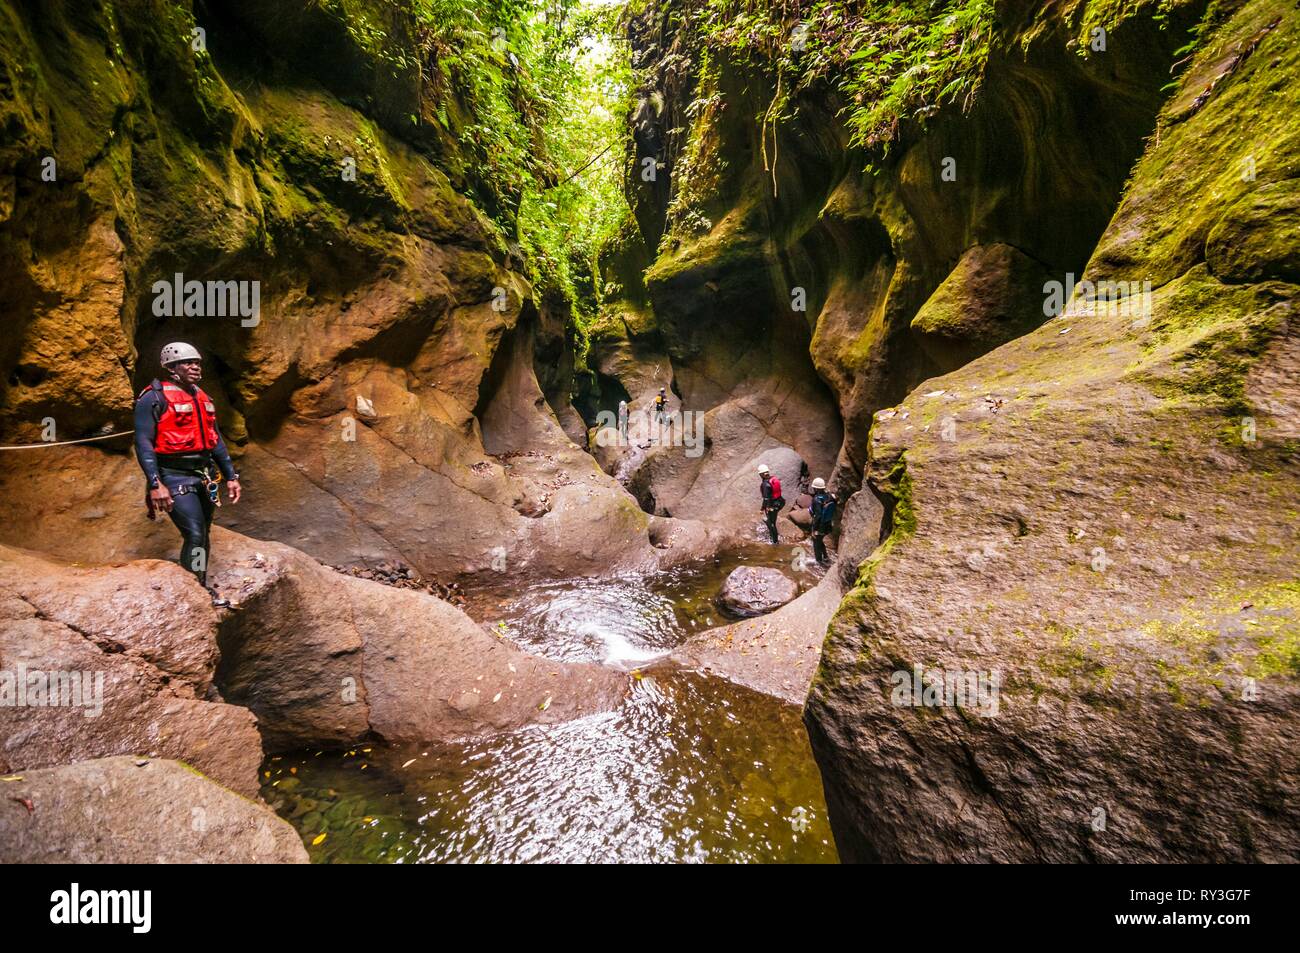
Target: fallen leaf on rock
[[409, 763], [545, 705], [12, 777], [25, 802]]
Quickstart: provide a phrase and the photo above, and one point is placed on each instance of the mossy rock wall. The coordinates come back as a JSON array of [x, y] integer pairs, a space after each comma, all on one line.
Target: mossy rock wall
[[1102, 514]]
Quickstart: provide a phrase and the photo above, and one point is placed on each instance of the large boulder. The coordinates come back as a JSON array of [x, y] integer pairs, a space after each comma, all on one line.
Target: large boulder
[[756, 590], [324, 658], [775, 653], [126, 810], [1083, 526], [994, 294], [115, 660]]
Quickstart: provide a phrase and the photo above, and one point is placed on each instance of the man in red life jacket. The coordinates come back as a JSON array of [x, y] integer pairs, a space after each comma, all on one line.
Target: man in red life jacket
[[180, 449], [770, 488]]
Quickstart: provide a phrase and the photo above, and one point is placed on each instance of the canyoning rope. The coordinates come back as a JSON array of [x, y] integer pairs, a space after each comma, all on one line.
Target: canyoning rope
[[64, 443], [581, 169]]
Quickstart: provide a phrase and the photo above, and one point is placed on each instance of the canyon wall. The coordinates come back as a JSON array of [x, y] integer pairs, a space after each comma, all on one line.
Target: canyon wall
[[386, 401], [1094, 512]]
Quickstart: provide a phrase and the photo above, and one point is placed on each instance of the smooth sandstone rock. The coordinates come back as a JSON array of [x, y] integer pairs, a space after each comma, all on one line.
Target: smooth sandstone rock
[[141, 641], [324, 658], [127, 810]]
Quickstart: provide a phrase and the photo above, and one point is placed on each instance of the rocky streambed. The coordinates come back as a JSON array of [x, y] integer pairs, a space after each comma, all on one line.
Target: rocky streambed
[[686, 767]]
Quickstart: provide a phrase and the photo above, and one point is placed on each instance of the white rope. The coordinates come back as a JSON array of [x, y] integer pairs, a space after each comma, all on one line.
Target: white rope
[[64, 443]]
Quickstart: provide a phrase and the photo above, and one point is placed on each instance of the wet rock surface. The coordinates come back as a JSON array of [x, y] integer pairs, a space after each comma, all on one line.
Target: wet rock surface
[[776, 653], [756, 590]]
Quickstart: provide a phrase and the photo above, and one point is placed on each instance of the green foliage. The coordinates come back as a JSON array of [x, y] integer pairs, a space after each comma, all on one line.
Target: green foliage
[[535, 92], [890, 62], [563, 225]]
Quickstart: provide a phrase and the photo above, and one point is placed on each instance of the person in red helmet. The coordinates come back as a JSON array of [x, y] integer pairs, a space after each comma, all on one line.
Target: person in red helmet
[[180, 449]]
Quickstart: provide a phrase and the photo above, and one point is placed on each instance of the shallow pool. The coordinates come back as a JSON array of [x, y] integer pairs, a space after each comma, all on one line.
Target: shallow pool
[[688, 768]]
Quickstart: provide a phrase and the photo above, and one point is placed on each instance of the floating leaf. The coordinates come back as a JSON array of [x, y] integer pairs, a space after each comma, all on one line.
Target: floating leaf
[[319, 838]]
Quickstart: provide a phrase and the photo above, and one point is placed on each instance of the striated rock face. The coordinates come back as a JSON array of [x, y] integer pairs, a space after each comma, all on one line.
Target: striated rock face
[[1098, 520], [137, 811], [385, 402]]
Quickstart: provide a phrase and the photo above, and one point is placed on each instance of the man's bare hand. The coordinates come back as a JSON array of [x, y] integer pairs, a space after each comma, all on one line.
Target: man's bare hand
[[234, 490], [162, 498]]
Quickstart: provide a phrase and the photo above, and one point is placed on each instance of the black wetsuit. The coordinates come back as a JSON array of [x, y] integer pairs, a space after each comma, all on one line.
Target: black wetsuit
[[184, 475], [771, 508], [822, 511]]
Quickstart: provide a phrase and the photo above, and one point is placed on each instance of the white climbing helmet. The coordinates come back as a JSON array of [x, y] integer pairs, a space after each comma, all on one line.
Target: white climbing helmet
[[819, 484], [178, 351], [763, 470]]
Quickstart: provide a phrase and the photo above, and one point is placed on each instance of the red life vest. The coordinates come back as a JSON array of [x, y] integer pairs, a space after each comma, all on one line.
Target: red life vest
[[188, 423]]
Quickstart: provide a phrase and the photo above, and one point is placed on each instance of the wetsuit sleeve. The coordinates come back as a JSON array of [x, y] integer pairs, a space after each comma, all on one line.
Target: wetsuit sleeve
[[222, 456], [146, 433]]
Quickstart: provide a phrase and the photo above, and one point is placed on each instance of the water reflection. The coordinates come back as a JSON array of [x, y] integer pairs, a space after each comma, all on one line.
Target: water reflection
[[688, 769], [628, 620]]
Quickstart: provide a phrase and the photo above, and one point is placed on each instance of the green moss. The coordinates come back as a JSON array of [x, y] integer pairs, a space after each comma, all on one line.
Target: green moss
[[1230, 634]]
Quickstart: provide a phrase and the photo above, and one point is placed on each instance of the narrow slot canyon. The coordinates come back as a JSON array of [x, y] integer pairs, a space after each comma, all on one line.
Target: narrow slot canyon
[[500, 325]]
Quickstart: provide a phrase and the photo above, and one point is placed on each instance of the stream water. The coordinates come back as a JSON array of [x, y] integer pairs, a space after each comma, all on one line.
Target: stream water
[[688, 768]]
